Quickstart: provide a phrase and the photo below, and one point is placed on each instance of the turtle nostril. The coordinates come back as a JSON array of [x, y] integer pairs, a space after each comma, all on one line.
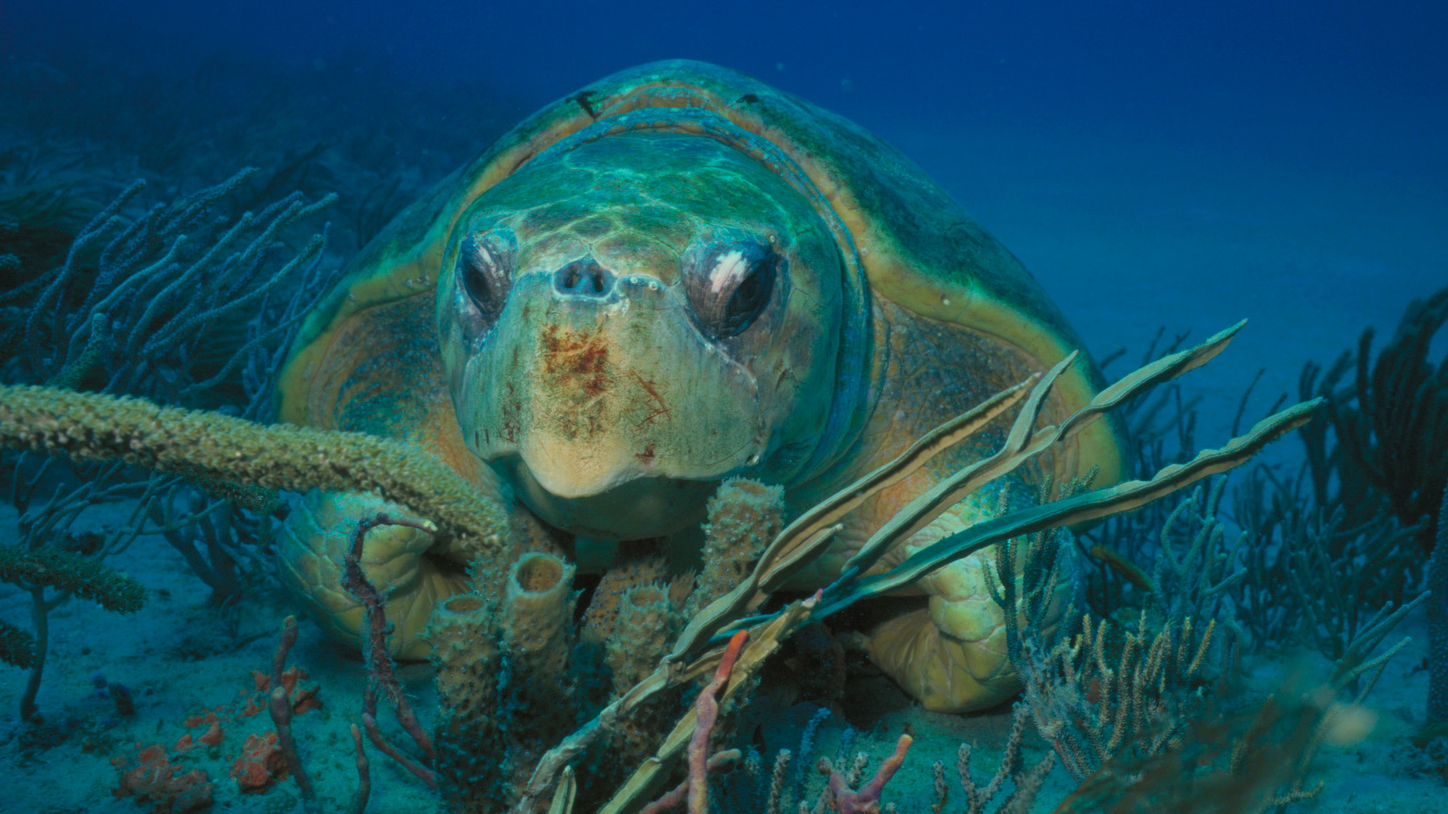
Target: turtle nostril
[[583, 277]]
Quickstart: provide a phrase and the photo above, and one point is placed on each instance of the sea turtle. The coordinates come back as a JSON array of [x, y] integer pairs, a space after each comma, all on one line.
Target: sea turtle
[[677, 275]]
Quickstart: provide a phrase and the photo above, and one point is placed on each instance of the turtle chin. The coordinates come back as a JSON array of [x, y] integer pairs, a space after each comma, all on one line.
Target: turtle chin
[[618, 508]]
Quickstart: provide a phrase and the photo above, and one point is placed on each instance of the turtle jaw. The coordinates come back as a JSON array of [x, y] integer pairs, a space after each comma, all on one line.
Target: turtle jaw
[[637, 508]]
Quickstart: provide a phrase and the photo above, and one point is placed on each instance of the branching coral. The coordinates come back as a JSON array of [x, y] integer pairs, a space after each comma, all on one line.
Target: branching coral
[[1091, 706], [190, 443], [69, 573], [148, 304], [174, 440], [1141, 719], [1390, 423], [1026, 782]]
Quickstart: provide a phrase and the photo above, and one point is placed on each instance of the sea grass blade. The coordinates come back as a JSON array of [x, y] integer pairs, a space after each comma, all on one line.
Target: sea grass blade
[[1070, 511], [1021, 444]]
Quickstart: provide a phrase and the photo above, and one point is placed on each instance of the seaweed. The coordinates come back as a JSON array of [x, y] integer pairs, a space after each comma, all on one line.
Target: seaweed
[[131, 309], [103, 428], [1390, 424], [1437, 706], [1156, 723]]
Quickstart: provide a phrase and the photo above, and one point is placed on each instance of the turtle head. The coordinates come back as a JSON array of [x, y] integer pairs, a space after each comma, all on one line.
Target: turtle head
[[627, 320]]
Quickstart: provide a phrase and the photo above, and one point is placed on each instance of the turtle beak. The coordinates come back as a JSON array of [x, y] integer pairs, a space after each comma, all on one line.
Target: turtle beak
[[636, 508], [569, 467]]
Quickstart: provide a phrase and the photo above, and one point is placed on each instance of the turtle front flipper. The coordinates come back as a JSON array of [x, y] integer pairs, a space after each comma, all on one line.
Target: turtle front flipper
[[413, 570], [952, 654]]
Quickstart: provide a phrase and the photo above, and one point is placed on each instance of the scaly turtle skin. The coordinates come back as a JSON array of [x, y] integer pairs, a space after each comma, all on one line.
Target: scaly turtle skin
[[674, 276]]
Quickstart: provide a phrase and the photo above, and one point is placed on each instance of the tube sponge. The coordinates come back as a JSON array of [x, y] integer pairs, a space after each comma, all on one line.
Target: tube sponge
[[601, 618], [463, 633], [744, 517], [645, 625], [538, 618]]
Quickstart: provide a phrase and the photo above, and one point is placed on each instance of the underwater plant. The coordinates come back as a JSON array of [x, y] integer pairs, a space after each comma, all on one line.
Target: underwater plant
[[104, 428], [137, 306], [1437, 706], [250, 462], [1390, 424], [513, 679], [1377, 469]]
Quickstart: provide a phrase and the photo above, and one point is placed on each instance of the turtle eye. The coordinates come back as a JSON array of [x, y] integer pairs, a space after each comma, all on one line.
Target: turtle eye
[[728, 286], [483, 272]]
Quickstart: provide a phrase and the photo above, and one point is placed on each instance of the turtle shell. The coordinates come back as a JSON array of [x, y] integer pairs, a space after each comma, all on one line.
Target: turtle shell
[[912, 243]]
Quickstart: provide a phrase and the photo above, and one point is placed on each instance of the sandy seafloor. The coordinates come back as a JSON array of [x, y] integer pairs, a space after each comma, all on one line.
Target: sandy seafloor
[[1126, 234]]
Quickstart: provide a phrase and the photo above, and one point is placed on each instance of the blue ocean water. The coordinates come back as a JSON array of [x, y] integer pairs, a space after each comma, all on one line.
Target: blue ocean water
[[1178, 165], [1130, 104]]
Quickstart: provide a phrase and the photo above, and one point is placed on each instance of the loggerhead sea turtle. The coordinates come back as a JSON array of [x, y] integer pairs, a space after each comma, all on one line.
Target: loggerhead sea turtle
[[677, 275]]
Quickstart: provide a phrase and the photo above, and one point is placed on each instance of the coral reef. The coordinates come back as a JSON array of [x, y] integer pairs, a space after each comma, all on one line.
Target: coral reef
[[135, 306], [536, 620], [744, 517], [534, 712], [169, 780], [465, 651], [537, 675]]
